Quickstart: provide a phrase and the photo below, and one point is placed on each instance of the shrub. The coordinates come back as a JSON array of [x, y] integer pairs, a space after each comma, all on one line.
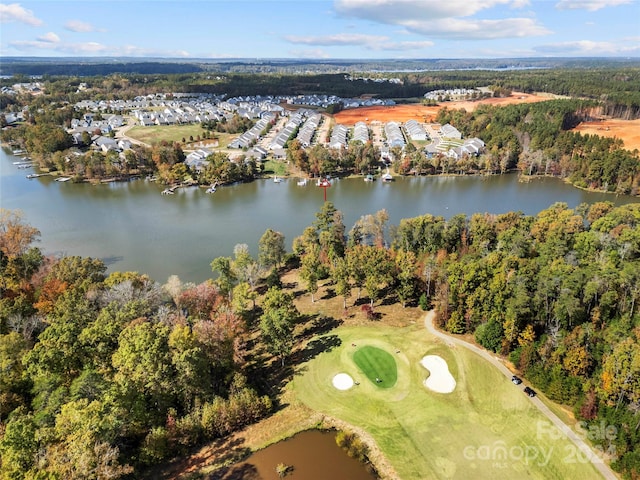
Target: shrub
[[489, 335], [155, 447], [273, 279], [353, 445], [423, 302], [368, 311]]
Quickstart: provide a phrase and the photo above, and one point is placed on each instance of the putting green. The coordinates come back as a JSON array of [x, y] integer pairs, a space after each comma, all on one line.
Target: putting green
[[378, 365]]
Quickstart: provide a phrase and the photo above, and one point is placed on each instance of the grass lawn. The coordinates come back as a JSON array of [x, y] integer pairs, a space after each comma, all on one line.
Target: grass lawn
[[487, 428], [377, 365], [170, 133], [276, 167]]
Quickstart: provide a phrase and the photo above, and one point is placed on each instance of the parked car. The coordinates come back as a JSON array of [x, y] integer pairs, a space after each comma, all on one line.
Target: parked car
[[517, 380], [530, 391]]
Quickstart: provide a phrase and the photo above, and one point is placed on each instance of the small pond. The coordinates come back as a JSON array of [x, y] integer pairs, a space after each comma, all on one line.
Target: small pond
[[313, 454]]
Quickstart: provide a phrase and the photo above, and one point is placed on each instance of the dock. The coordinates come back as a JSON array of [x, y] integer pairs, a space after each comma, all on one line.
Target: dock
[[170, 190]]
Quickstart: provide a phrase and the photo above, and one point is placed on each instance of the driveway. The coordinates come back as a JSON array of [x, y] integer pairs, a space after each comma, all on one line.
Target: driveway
[[583, 448]]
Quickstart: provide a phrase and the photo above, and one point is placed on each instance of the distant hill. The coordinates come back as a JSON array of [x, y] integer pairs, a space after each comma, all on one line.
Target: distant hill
[[88, 66]]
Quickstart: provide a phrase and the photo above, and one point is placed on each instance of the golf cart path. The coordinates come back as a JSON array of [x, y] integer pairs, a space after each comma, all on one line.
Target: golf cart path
[[582, 446]]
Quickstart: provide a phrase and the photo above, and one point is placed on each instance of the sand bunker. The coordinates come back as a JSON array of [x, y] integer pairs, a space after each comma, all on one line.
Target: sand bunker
[[342, 381], [440, 380]]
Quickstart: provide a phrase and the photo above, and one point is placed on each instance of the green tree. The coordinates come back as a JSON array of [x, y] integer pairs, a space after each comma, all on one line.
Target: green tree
[[144, 373], [490, 335], [81, 446], [244, 299], [277, 322], [18, 445], [226, 276], [341, 280], [271, 249], [189, 359], [59, 351], [310, 269], [14, 383], [377, 266], [405, 263]]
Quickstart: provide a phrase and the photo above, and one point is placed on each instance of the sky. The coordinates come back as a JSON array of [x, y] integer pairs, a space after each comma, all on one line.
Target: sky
[[321, 29]]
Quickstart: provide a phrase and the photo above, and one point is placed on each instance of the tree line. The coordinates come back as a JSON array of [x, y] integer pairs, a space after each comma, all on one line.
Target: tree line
[[616, 86]]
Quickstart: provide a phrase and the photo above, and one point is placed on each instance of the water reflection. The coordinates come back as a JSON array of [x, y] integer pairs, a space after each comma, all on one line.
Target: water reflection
[[313, 455]]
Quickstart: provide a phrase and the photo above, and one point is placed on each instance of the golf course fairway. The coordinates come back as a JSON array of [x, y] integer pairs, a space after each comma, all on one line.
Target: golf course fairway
[[486, 428]]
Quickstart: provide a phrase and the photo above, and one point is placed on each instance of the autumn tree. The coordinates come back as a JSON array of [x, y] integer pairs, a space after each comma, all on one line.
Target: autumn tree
[[15, 234]]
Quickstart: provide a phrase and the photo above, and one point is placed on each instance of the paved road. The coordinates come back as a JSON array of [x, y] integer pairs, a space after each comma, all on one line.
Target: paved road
[[584, 449], [122, 133]]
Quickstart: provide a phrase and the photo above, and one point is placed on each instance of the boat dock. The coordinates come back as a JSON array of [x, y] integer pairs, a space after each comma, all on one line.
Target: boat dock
[[170, 190]]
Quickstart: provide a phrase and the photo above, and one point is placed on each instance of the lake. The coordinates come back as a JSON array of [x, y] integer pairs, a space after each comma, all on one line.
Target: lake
[[132, 227]]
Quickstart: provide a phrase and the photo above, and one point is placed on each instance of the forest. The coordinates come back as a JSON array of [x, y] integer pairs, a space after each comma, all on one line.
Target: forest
[[108, 374]]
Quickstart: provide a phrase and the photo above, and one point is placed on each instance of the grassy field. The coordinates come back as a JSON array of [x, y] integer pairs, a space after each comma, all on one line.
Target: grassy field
[[377, 365], [170, 133], [275, 167], [486, 429]]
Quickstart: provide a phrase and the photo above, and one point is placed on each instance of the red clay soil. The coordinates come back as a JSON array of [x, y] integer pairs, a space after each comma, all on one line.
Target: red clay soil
[[421, 113], [626, 130]]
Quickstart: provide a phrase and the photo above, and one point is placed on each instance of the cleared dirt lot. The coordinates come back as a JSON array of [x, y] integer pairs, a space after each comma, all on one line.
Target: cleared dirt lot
[[627, 130], [421, 113]]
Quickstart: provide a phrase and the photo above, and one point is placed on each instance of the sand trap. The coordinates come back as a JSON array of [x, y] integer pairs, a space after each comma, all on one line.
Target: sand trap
[[342, 381], [440, 380]]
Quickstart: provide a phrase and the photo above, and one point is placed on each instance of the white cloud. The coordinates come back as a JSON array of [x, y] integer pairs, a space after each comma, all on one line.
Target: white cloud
[[68, 48], [49, 43], [49, 37], [337, 39], [134, 51], [370, 42], [313, 53], [447, 19], [588, 48], [391, 11], [14, 12], [80, 26], [590, 5], [468, 29]]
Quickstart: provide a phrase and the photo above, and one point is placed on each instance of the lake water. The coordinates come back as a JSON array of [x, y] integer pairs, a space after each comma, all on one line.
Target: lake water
[[131, 226], [313, 455]]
